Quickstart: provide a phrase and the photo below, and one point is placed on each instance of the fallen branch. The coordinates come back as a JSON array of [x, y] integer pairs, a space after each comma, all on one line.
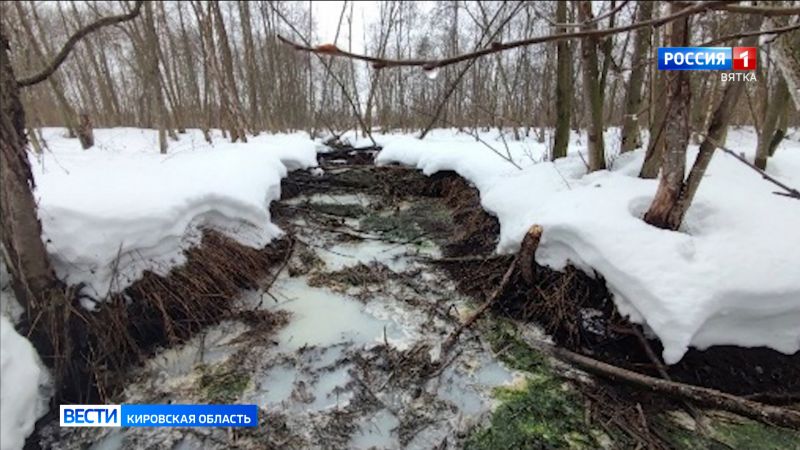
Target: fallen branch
[[773, 415], [350, 152], [790, 191], [529, 245], [460, 259], [662, 371]]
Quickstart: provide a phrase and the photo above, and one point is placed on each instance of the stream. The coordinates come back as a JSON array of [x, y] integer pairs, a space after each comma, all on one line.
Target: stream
[[342, 346]]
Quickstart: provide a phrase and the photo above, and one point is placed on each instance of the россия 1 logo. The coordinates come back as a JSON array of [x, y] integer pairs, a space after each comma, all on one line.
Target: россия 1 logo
[[707, 58]]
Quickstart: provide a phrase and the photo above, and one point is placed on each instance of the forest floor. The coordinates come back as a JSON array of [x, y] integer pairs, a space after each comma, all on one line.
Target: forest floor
[[341, 348]]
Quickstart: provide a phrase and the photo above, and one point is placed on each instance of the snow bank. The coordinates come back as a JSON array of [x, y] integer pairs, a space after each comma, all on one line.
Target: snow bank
[[730, 276], [23, 385], [120, 208]]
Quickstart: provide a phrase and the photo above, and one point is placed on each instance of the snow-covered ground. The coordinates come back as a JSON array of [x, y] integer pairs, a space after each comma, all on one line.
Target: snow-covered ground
[[730, 276], [24, 382], [21, 401], [121, 207]]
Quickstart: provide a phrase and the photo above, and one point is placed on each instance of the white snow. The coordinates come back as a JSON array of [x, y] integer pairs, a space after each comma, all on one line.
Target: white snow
[[120, 208], [23, 387], [730, 276]]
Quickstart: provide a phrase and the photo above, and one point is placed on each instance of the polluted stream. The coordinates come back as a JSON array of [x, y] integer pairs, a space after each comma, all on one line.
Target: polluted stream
[[342, 346]]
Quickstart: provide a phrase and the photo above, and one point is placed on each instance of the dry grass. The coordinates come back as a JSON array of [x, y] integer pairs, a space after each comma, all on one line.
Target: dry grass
[[92, 351]]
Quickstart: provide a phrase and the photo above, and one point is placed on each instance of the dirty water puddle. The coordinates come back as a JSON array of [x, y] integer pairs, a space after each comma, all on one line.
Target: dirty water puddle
[[354, 366]]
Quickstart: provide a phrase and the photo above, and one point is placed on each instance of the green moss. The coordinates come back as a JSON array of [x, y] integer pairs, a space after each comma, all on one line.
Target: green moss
[[394, 226], [223, 384], [431, 216], [544, 413], [513, 351], [750, 434], [732, 432], [423, 218], [338, 210]]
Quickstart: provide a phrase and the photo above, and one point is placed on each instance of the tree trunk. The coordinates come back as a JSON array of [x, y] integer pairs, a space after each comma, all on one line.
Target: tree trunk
[[150, 47], [563, 87], [592, 90], [85, 131], [250, 60], [676, 133], [669, 207], [655, 143], [787, 55], [23, 249], [106, 88], [68, 114], [778, 103], [238, 124], [631, 138], [780, 133]]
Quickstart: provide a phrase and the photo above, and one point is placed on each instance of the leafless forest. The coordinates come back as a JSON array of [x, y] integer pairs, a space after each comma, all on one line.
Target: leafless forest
[[546, 72], [220, 65]]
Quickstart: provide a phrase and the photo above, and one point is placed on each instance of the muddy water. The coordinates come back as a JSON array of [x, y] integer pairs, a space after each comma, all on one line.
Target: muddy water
[[354, 363]]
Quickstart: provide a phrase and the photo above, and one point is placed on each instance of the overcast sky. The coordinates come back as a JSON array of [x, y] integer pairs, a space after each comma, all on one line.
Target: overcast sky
[[326, 15]]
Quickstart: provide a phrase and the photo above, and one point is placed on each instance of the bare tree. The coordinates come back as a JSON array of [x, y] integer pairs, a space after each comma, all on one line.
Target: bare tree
[[667, 211], [631, 137], [593, 90], [563, 87], [770, 133], [155, 92], [32, 277], [676, 132]]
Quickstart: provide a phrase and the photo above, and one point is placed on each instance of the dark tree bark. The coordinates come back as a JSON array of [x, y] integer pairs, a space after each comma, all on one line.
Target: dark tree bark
[[631, 138], [238, 123], [153, 74], [250, 61], [592, 89], [667, 211], [780, 133], [676, 133], [778, 102], [563, 87], [32, 277], [23, 249], [787, 55]]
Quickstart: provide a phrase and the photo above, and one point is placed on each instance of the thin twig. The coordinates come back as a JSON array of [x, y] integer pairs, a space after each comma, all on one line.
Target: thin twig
[[790, 191]]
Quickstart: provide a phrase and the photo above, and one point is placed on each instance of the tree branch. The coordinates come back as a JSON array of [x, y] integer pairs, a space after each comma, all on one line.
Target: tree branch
[[761, 10], [589, 22], [74, 39], [706, 396], [737, 36], [429, 64], [790, 191]]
